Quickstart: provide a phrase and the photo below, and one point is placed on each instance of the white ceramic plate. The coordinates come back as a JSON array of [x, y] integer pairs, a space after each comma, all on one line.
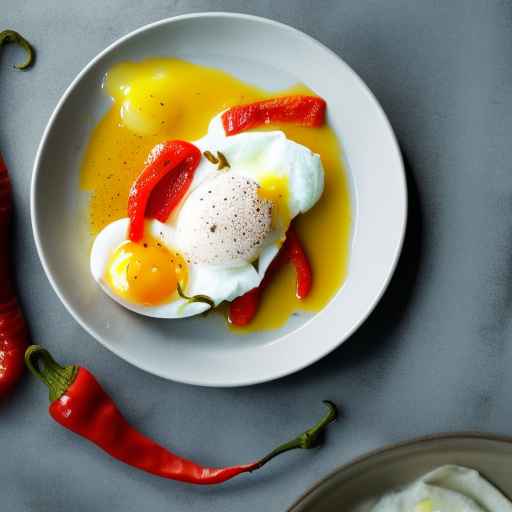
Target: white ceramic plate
[[202, 351]]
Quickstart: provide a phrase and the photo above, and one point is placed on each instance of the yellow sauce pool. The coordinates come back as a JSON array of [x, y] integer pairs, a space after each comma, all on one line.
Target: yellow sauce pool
[[164, 99]]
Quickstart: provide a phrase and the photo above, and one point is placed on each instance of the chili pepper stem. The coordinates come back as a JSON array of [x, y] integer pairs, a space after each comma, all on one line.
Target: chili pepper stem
[[58, 378], [10, 36], [306, 440], [195, 298]]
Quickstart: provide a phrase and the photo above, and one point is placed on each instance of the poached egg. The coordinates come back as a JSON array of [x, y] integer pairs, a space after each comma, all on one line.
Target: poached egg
[[224, 234]]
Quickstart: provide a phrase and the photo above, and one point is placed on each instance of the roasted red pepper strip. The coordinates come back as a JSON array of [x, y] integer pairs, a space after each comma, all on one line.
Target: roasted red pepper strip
[[175, 157], [302, 110], [80, 404], [244, 308], [13, 330], [170, 191], [301, 263]]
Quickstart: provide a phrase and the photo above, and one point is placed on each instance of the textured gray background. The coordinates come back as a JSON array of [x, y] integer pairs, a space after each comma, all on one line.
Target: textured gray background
[[434, 356]]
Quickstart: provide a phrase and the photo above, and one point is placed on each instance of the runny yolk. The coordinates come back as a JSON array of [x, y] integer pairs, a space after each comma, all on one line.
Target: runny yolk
[[145, 273], [274, 188], [147, 101]]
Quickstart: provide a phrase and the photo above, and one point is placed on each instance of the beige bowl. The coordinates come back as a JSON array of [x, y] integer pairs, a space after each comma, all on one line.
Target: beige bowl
[[379, 472]]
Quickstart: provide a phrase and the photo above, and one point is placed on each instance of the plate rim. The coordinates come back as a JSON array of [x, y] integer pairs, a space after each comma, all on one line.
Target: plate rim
[[51, 121], [392, 447]]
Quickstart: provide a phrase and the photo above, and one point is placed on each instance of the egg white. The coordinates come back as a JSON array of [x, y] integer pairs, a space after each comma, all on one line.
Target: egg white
[[218, 282], [255, 154], [251, 155]]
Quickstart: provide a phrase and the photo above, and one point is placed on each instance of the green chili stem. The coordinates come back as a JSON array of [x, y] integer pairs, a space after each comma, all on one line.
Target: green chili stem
[[223, 161], [307, 439], [10, 36], [210, 157], [58, 378], [195, 298]]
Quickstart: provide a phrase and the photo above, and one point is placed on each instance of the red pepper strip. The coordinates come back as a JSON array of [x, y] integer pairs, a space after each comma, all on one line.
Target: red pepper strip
[[170, 191], [13, 330], [80, 404], [301, 110], [301, 263], [244, 308], [170, 157]]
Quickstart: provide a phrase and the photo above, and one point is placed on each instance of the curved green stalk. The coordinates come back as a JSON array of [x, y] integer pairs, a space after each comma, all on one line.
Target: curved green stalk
[[195, 298], [306, 440], [12, 37], [223, 161]]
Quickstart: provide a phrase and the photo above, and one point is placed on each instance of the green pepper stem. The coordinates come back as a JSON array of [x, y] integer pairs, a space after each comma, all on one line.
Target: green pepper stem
[[223, 161], [58, 378], [195, 298], [307, 439], [10, 36]]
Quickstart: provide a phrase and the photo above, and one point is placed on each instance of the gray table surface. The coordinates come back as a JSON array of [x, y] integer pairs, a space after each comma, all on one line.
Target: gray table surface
[[434, 356]]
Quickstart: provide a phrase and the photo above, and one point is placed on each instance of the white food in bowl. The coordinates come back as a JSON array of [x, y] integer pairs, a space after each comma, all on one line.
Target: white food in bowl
[[446, 489]]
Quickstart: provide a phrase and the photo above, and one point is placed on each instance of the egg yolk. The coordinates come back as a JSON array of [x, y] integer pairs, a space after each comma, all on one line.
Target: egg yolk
[[274, 188], [146, 102], [145, 273]]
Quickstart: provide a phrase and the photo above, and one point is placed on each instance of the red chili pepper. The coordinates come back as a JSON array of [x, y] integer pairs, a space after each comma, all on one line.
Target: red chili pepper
[[302, 110], [13, 330], [162, 184], [80, 404], [244, 308]]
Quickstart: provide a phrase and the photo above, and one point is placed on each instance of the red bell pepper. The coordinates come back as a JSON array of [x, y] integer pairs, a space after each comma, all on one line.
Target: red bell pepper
[[80, 404], [244, 308], [162, 184], [301, 110]]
